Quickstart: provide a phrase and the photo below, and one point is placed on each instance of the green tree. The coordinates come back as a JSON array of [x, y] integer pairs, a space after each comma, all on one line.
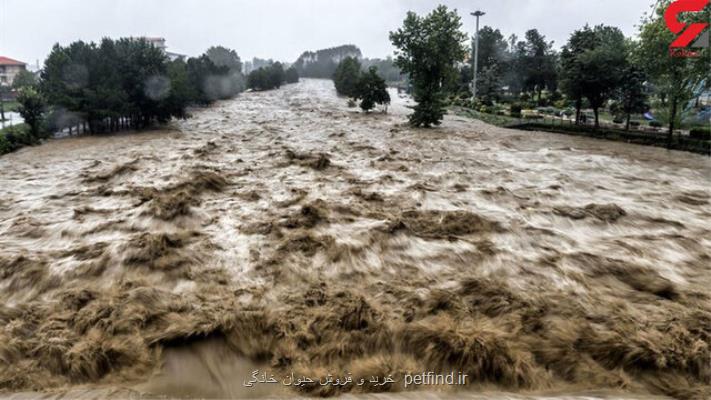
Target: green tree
[[493, 54], [231, 81], [346, 77], [492, 47], [224, 57], [428, 49], [489, 84], [372, 90], [258, 79], [277, 76], [24, 79], [676, 79], [32, 108], [631, 94], [125, 82], [537, 63], [571, 68], [292, 75], [593, 63], [266, 78]]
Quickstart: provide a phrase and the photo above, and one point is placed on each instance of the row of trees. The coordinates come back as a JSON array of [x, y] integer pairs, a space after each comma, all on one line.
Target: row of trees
[[368, 87], [598, 67], [271, 77], [129, 83]]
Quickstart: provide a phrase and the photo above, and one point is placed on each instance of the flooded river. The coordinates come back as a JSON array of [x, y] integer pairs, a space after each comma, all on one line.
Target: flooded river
[[285, 233]]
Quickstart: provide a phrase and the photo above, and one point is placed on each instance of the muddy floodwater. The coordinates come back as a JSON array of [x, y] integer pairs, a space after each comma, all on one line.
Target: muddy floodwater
[[286, 233]]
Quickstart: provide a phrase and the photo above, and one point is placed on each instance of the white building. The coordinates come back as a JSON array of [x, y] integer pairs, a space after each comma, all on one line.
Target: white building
[[159, 43]]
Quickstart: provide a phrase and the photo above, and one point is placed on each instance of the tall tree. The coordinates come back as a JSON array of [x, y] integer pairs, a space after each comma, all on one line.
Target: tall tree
[[224, 57], [32, 108], [537, 63], [232, 80], [492, 47], [571, 68], [676, 79], [24, 79], [493, 53], [277, 76], [631, 92], [593, 62], [428, 49], [346, 77], [372, 90]]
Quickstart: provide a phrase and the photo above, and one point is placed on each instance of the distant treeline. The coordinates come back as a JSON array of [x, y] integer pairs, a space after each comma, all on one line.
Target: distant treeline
[[323, 63], [129, 83]]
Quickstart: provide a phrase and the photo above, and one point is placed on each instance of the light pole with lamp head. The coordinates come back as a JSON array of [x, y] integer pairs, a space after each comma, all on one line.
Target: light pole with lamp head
[[477, 14]]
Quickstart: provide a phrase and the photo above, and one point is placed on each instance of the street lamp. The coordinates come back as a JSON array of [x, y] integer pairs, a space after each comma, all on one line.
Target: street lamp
[[477, 14]]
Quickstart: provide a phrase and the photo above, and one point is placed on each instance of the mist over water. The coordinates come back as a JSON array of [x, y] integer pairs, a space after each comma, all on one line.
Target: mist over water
[[285, 232]]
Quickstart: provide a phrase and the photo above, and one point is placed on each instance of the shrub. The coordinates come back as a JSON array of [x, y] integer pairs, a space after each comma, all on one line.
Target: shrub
[[701, 133], [618, 120], [515, 108], [655, 124], [635, 123], [15, 137], [487, 109], [5, 146]]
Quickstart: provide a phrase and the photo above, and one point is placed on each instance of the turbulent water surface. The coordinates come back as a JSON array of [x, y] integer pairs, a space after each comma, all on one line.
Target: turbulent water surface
[[286, 233]]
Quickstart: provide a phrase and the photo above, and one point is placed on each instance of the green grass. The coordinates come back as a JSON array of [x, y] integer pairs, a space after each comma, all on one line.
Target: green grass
[[492, 119]]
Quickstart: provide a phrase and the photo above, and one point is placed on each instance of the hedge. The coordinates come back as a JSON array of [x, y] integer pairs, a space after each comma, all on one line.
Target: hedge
[[15, 137]]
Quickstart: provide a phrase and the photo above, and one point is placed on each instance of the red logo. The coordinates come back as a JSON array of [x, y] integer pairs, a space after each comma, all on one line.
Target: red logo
[[687, 33]]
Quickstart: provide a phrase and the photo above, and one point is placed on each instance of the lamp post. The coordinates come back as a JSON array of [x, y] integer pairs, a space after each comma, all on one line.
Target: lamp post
[[477, 14]]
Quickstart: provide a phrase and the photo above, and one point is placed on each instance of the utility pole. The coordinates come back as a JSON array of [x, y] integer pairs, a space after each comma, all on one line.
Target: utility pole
[[477, 14]]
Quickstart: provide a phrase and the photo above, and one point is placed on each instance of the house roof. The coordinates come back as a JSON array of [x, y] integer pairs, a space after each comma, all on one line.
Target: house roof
[[10, 61]]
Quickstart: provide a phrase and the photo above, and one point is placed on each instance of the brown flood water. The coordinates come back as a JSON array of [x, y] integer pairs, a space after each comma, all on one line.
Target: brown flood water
[[284, 232]]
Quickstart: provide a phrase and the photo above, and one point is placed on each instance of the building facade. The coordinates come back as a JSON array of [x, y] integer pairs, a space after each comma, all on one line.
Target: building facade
[[9, 68], [159, 43]]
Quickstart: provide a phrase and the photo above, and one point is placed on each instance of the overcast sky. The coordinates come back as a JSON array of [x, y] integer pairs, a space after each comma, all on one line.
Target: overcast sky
[[281, 29]]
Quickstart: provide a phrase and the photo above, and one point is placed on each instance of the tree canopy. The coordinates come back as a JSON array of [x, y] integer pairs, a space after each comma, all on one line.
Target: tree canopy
[[129, 82], [267, 78], [593, 64], [676, 79], [346, 77], [24, 79], [428, 49], [371, 90]]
